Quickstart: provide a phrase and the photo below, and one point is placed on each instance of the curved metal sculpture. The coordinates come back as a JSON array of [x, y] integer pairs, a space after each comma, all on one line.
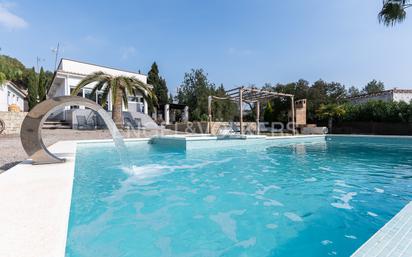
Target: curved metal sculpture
[[30, 133]]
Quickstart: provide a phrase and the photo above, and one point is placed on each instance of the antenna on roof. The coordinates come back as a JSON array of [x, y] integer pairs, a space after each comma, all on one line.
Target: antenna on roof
[[56, 51], [38, 59]]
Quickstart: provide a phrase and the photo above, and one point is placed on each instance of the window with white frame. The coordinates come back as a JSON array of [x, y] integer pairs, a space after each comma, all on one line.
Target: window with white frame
[[87, 93]]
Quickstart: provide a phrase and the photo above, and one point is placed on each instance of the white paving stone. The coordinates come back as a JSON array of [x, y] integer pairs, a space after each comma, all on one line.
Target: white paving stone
[[392, 240], [35, 205]]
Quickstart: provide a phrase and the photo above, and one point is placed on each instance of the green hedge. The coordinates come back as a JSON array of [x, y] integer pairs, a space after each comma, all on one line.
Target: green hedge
[[378, 111]]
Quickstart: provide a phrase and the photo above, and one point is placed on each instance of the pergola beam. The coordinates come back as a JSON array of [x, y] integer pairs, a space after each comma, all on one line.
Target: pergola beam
[[252, 94], [242, 95], [258, 117]]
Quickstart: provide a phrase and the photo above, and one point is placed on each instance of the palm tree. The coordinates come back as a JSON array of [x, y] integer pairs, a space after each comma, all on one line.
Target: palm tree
[[330, 112], [393, 11], [119, 87]]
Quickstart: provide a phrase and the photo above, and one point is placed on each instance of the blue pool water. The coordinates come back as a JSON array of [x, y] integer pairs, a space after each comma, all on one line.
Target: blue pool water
[[272, 199]]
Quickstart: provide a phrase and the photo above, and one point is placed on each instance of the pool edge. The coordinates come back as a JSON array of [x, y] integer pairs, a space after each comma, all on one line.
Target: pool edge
[[389, 240]]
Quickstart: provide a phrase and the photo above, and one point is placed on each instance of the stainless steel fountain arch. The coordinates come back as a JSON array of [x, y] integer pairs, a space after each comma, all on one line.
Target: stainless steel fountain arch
[[30, 133]]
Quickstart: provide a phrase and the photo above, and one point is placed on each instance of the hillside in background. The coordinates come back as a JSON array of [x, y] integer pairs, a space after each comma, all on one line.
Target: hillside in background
[[15, 71]]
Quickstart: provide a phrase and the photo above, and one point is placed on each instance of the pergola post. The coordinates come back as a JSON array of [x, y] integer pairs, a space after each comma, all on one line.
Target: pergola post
[[241, 110], [257, 117], [293, 114], [167, 114], [209, 110], [186, 114]]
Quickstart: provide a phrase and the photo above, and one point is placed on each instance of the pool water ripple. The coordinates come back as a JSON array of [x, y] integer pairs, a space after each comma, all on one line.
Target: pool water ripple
[[320, 199]]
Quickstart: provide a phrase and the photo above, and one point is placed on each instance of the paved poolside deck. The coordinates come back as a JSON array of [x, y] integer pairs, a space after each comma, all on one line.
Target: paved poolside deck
[[392, 240]]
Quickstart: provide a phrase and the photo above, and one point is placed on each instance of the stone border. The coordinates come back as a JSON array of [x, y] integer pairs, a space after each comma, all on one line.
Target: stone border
[[12, 122]]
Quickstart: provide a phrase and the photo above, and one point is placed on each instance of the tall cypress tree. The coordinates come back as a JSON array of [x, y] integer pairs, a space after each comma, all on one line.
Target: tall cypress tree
[[32, 87], [159, 84], [42, 88]]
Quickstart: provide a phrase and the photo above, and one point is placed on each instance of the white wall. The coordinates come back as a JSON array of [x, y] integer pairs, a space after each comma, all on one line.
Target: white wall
[[386, 97], [406, 97], [60, 90], [3, 98], [8, 96]]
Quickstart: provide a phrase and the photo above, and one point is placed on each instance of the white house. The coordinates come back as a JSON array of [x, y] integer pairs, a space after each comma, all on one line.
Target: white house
[[392, 95], [69, 73], [11, 94]]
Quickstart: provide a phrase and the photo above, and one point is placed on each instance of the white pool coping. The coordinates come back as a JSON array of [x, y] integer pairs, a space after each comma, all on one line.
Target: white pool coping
[[392, 240], [211, 138], [35, 206], [35, 202]]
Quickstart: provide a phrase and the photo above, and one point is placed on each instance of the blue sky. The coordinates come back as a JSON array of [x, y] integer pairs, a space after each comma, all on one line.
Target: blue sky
[[236, 42]]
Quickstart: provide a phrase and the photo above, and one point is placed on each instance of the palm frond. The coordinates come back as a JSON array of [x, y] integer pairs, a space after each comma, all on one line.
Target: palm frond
[[98, 87], [105, 95], [393, 11], [136, 86], [99, 77], [124, 95], [110, 84]]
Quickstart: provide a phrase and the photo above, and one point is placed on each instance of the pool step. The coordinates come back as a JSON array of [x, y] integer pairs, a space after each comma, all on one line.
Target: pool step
[[392, 240], [56, 125]]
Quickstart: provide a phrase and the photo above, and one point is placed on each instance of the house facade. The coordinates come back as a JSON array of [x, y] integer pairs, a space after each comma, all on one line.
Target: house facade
[[12, 98], [392, 95], [68, 75]]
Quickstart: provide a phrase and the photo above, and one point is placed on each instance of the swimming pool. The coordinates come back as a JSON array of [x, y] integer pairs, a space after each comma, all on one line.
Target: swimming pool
[[276, 198]]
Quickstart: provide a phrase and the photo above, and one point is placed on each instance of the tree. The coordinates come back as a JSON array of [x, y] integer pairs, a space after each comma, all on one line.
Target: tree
[[159, 84], [42, 87], [373, 87], [2, 78], [223, 110], [32, 88], [11, 69], [194, 92], [268, 113], [322, 92], [119, 87], [378, 111], [330, 112], [393, 11], [353, 91]]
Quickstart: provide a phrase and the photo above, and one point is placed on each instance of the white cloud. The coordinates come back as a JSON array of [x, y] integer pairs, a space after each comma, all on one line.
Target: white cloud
[[128, 52], [10, 20]]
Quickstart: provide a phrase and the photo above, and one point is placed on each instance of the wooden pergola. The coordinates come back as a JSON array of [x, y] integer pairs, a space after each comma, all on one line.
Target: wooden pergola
[[242, 95]]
